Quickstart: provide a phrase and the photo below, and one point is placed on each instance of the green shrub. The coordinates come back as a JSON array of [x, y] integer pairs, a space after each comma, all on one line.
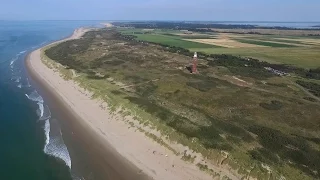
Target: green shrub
[[312, 87], [274, 105]]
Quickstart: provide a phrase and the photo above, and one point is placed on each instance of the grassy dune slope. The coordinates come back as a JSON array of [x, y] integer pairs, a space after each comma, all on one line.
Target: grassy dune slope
[[239, 117]]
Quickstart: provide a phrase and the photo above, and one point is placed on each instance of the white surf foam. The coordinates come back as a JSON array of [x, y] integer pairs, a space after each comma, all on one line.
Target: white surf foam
[[34, 96], [41, 108], [19, 86], [47, 132], [13, 60], [55, 146], [18, 79], [46, 113], [22, 52], [28, 83]]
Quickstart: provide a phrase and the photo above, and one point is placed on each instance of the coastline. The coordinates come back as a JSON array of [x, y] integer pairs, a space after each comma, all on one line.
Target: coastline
[[130, 154], [106, 161]]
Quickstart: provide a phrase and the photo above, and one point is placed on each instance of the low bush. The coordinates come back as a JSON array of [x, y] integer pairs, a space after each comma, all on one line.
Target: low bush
[[274, 105]]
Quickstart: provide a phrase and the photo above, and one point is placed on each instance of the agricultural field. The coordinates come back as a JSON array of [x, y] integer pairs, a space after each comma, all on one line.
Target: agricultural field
[[301, 51], [279, 32], [170, 38], [234, 112]]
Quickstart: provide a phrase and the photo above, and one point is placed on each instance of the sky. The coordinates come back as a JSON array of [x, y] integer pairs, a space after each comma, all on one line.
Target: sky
[[203, 10]]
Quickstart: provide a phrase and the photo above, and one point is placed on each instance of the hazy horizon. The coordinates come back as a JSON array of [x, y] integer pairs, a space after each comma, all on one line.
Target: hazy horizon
[[163, 10], [159, 20]]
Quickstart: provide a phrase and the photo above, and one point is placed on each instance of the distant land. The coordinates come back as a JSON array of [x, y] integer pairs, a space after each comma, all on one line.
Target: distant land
[[257, 24]]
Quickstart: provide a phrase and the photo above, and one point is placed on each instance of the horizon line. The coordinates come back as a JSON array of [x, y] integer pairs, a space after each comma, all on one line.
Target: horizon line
[[268, 21]]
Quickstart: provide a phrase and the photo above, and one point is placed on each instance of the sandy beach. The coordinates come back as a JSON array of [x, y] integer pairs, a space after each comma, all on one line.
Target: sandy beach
[[127, 151]]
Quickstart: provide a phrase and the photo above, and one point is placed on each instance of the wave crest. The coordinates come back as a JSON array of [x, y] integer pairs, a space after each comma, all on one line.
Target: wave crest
[[54, 143]]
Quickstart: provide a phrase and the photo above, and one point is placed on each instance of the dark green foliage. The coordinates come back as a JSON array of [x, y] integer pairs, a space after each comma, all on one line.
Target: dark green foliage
[[135, 79], [287, 147], [274, 105], [97, 77], [265, 156], [233, 129], [168, 34], [315, 140], [63, 53], [227, 127], [313, 73], [146, 89], [278, 85], [209, 136], [116, 92], [202, 167], [203, 86], [264, 43], [234, 139], [314, 88], [204, 83], [257, 73], [105, 62], [243, 67], [198, 37], [235, 61], [310, 99], [162, 113]]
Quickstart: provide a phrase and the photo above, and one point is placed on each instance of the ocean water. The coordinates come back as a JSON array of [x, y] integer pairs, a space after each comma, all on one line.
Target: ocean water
[[32, 147]]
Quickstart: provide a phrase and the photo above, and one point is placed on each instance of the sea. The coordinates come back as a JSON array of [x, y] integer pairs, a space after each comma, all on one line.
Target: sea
[[32, 144]]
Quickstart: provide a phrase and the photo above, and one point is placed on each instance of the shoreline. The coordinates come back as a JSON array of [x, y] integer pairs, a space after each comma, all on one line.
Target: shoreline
[[106, 161], [129, 153]]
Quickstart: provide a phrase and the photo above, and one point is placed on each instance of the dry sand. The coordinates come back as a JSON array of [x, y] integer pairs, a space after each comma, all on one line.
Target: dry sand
[[150, 157], [108, 25]]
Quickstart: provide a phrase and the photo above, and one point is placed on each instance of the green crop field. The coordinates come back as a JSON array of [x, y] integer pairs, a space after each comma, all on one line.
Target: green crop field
[[301, 57], [172, 41], [293, 50], [264, 43], [277, 40]]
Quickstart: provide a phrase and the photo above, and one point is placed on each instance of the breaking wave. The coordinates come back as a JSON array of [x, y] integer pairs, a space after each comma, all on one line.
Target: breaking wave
[[13, 60], [22, 52], [54, 145], [43, 112], [34, 96]]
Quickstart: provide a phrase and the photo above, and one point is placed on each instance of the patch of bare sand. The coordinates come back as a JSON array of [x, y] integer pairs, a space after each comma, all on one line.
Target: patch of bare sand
[[108, 25]]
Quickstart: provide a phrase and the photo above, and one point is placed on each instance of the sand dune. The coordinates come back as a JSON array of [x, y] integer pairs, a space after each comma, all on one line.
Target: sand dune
[[150, 157]]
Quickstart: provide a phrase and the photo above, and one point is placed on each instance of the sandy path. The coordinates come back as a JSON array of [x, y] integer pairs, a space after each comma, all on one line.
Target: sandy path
[[153, 159]]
